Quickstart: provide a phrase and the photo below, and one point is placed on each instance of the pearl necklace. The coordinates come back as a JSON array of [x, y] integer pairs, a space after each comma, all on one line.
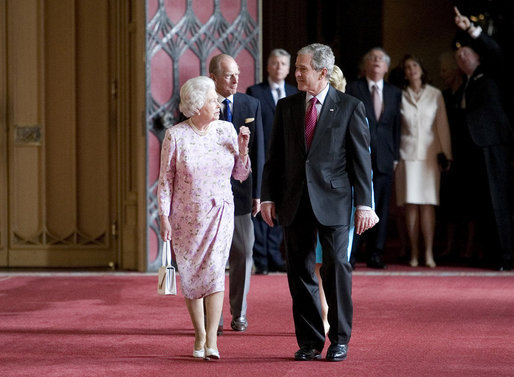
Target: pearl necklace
[[197, 130]]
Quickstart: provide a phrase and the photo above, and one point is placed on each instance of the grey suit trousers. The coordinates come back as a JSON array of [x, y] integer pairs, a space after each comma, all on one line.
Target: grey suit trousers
[[240, 264]]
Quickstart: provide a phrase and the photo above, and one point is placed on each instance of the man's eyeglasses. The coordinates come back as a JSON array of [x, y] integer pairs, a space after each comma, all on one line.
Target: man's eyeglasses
[[376, 58]]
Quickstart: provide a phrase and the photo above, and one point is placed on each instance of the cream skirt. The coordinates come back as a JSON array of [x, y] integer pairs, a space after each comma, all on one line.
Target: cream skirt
[[417, 182]]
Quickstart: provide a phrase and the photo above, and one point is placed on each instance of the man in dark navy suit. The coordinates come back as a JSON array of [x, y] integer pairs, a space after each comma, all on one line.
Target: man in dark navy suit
[[266, 249], [382, 101], [241, 110]]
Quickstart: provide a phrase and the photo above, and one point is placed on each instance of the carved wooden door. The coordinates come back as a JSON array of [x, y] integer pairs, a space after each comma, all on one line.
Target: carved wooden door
[[58, 146]]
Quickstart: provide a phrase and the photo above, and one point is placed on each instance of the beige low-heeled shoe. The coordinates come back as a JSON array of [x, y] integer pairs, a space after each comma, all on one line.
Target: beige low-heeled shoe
[[211, 353], [199, 354], [430, 263]]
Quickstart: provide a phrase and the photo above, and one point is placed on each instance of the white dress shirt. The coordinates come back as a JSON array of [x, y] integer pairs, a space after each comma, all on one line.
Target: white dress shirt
[[380, 87], [274, 92]]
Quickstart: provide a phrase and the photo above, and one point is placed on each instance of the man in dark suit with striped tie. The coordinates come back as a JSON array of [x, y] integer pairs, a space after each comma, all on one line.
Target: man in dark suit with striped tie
[[382, 101], [241, 110], [266, 249], [318, 155]]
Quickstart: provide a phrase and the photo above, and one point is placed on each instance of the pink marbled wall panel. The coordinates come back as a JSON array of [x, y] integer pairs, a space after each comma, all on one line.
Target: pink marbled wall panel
[[247, 68], [188, 66], [154, 158], [165, 82], [161, 86], [203, 10], [175, 9], [151, 8]]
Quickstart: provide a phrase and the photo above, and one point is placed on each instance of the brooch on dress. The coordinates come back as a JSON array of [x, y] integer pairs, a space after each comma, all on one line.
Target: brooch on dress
[[219, 132]]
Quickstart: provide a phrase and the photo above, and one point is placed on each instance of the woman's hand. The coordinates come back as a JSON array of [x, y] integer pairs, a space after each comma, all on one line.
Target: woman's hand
[[165, 228], [243, 139]]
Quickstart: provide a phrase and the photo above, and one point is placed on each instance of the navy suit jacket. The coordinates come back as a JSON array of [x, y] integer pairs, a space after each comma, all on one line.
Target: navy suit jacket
[[487, 120], [245, 107], [385, 133], [262, 92], [337, 160]]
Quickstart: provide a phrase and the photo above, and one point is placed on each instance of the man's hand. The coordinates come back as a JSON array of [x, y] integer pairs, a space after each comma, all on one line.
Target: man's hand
[[243, 138], [256, 207], [461, 21], [268, 213], [364, 220]]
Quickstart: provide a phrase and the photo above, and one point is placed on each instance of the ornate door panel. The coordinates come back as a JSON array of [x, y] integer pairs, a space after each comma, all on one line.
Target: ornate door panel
[[59, 172], [182, 37], [3, 134]]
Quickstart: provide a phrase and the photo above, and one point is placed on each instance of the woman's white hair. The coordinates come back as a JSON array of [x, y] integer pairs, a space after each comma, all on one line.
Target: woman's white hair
[[193, 94]]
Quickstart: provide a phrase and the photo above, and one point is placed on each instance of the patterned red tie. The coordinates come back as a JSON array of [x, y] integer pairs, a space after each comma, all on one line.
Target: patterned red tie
[[311, 117]]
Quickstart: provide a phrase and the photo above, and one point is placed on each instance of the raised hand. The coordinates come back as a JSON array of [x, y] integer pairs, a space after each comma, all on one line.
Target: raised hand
[[461, 21], [243, 139]]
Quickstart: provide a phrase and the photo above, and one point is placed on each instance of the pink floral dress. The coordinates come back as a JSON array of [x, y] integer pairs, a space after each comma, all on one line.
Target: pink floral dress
[[195, 191]]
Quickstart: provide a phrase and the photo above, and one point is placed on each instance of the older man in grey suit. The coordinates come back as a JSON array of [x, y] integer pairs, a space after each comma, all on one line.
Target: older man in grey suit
[[241, 110], [318, 154]]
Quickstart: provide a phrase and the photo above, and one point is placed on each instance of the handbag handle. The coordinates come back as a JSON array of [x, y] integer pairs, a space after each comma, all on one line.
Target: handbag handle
[[166, 253]]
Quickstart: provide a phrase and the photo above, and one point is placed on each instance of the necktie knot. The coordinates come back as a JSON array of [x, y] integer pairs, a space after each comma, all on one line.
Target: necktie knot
[[227, 113]]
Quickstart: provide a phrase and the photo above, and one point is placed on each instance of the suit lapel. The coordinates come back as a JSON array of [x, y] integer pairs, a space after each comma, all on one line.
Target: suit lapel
[[268, 96], [368, 103], [290, 90], [239, 108], [326, 116], [297, 116], [386, 96]]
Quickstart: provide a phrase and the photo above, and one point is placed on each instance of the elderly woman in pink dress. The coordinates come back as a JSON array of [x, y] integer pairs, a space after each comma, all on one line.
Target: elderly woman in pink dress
[[196, 205]]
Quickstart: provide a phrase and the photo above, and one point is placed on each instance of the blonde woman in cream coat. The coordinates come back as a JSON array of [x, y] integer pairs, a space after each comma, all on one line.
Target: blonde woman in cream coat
[[424, 135]]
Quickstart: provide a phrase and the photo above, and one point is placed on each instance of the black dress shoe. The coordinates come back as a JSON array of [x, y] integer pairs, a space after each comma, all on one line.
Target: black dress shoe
[[261, 271], [337, 352], [239, 323], [281, 268], [307, 353], [220, 330], [504, 265], [376, 263]]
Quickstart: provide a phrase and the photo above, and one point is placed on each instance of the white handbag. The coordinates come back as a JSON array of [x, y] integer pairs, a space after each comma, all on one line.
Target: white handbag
[[167, 284]]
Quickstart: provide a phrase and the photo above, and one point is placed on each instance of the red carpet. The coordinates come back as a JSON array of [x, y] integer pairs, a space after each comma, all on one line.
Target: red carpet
[[440, 324]]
